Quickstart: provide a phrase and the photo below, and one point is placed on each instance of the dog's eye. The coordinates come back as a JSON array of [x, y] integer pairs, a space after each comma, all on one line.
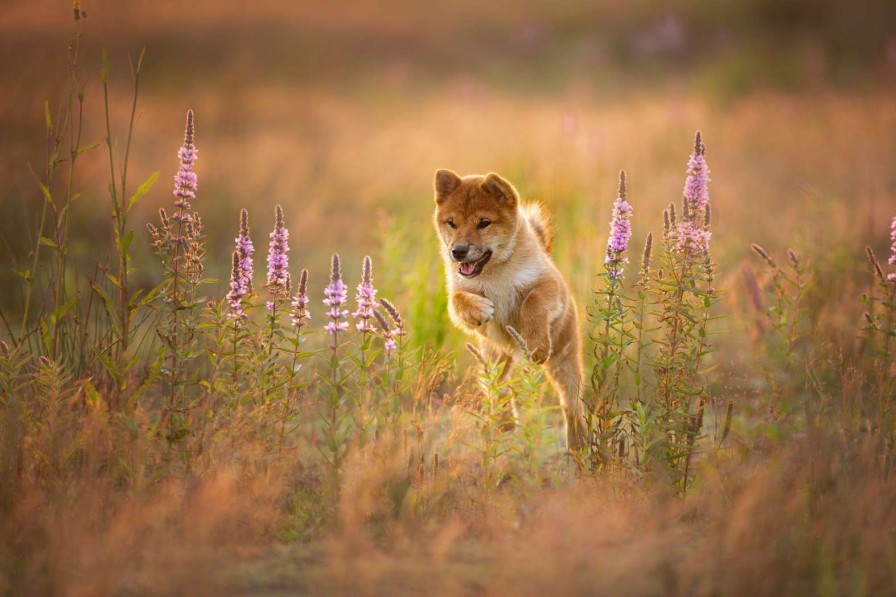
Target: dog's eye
[[451, 224], [483, 223]]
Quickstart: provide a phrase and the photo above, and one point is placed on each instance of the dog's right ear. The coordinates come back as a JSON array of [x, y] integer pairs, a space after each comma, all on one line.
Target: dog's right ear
[[445, 183]]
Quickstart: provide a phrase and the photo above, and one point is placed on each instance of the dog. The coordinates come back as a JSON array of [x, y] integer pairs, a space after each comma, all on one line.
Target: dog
[[499, 273]]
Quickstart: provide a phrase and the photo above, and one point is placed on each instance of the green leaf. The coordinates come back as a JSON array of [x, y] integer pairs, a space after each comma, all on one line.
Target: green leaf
[[86, 148], [108, 365], [92, 397], [47, 115], [130, 364], [47, 195], [59, 313], [114, 279], [108, 304], [45, 334], [128, 239], [48, 242], [143, 189], [152, 294]]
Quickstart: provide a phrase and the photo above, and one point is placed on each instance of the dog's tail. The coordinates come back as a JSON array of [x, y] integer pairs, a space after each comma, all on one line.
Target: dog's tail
[[541, 224]]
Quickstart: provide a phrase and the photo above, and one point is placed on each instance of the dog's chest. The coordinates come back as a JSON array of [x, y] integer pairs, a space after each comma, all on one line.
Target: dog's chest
[[508, 295]]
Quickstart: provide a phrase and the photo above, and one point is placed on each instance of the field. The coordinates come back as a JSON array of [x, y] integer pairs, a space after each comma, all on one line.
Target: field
[[173, 421]]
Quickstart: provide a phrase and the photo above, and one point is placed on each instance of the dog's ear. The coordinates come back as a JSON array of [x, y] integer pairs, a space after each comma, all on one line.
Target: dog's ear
[[445, 183], [500, 189]]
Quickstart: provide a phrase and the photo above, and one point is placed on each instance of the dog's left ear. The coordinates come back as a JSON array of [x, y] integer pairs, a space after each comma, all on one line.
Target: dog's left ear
[[500, 189]]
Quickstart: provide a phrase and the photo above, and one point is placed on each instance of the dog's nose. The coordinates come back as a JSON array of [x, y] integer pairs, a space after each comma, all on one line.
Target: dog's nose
[[460, 251]]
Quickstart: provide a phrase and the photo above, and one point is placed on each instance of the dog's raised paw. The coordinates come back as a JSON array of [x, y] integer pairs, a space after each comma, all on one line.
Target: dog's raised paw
[[477, 310]]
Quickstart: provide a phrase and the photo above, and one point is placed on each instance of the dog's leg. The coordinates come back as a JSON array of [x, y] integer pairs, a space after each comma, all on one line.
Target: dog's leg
[[537, 310], [565, 374]]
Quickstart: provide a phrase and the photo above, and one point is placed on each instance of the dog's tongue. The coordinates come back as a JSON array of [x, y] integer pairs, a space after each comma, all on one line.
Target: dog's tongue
[[467, 268]]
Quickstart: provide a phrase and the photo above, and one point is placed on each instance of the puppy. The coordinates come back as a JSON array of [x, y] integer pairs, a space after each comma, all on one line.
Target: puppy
[[499, 272]]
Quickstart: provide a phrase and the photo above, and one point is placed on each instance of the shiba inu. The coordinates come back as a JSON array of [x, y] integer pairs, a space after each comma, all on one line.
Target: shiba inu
[[499, 273]]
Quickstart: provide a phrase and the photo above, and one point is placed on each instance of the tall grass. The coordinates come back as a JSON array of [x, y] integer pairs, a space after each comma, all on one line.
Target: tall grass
[[203, 435]]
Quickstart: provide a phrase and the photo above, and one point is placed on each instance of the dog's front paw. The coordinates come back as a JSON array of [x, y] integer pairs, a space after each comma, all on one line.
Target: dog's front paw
[[540, 352], [474, 310]]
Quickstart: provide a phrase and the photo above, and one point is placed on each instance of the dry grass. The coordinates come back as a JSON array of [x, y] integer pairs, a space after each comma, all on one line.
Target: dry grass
[[342, 116]]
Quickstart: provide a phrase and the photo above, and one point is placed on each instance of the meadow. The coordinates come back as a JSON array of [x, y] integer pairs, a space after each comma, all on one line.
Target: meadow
[[226, 364]]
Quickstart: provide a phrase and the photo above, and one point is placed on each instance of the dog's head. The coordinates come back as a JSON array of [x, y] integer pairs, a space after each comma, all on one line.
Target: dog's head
[[476, 217]]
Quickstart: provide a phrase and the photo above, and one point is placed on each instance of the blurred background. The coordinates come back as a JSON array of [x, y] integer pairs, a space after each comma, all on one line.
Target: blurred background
[[342, 111]]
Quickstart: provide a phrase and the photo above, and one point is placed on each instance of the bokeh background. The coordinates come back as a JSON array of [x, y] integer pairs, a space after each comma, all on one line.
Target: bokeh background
[[342, 111]]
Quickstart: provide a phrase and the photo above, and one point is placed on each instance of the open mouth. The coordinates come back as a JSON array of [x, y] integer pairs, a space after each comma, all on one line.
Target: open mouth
[[471, 269]]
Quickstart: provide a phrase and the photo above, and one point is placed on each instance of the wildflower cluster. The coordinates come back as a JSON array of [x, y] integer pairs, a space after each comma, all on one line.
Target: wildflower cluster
[[178, 239], [179, 244], [609, 316], [692, 234], [658, 423]]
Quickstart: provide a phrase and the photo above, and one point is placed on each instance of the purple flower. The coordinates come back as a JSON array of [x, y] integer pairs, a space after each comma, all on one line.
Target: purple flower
[[620, 226], [335, 295], [238, 291], [395, 316], [696, 185], [241, 272], [692, 232], [692, 238], [245, 249], [185, 181], [278, 262], [300, 312], [620, 232], [388, 334], [892, 259], [365, 296]]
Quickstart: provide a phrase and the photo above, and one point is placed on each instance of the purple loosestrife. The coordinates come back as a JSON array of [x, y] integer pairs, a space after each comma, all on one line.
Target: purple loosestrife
[[365, 296], [186, 183], [237, 293], [336, 293], [696, 185], [399, 332], [389, 342], [892, 259], [692, 233], [692, 238], [241, 272], [245, 249], [300, 312], [278, 262], [620, 233]]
